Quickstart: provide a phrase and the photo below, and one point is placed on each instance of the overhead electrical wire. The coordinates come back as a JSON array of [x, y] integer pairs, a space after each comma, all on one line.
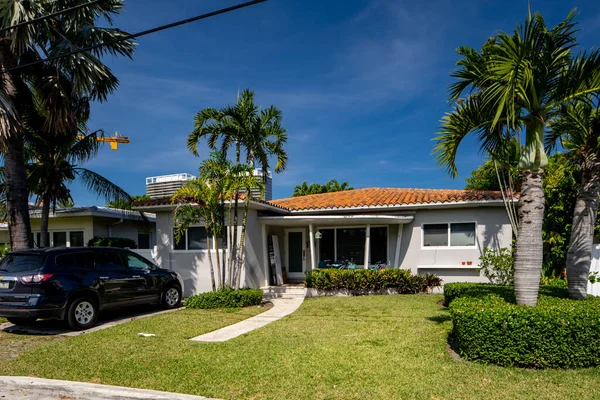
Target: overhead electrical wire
[[136, 35]]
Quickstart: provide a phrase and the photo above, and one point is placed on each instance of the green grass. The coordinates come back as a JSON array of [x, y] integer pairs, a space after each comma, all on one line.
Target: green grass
[[375, 347], [2, 320]]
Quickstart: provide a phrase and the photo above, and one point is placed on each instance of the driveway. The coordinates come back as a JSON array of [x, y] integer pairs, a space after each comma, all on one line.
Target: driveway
[[105, 320]]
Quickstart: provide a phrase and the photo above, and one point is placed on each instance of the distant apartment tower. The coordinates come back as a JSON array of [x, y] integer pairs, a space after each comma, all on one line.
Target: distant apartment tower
[[166, 185], [258, 172]]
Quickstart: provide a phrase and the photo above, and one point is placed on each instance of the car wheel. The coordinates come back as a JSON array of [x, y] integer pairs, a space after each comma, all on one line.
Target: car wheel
[[172, 297], [82, 314], [22, 321]]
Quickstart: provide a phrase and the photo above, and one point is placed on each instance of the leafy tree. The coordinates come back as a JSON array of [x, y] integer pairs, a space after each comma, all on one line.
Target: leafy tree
[[578, 127], [332, 186], [56, 162], [58, 84], [517, 83], [486, 178], [257, 132], [126, 204]]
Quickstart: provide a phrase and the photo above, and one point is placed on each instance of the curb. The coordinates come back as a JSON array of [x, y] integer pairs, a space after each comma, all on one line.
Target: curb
[[86, 391]]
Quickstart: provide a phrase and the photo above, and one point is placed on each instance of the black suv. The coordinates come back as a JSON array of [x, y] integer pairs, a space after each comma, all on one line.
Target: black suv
[[74, 284]]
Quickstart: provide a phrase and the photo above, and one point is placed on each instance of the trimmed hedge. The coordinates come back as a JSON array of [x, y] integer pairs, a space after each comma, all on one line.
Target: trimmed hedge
[[478, 290], [371, 280], [226, 298], [557, 333], [113, 242]]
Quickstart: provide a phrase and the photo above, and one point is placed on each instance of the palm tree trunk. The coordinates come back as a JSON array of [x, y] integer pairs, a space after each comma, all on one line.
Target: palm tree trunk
[[210, 262], [17, 195], [234, 246], [242, 241], [579, 255], [529, 249], [217, 254], [44, 235]]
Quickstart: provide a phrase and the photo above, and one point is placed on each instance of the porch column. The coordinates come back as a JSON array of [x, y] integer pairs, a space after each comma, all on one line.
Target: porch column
[[398, 246], [265, 241], [311, 233], [367, 245]]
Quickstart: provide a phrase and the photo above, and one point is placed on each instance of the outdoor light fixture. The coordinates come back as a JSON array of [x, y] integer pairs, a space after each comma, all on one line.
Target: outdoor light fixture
[[318, 235]]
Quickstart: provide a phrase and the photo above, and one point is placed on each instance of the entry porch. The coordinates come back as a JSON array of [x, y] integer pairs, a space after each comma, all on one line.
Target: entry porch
[[309, 242]]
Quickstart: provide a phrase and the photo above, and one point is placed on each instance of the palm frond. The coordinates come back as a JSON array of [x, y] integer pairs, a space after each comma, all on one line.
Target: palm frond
[[101, 186]]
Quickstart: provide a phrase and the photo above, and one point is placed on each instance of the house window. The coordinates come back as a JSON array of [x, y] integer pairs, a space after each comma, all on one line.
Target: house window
[[193, 239], [378, 241], [459, 234], [327, 244], [59, 239], [76, 238], [144, 241], [351, 244]]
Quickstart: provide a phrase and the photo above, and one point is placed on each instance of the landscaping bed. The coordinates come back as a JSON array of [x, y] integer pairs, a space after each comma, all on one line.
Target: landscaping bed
[[326, 282], [558, 333]]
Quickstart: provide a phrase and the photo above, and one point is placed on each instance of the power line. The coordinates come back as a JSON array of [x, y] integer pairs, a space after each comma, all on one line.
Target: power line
[[137, 35], [55, 14]]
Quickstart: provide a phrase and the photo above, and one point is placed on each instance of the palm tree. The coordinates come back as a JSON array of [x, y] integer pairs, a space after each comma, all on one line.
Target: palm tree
[[334, 186], [305, 189], [578, 129], [242, 178], [56, 162], [207, 192], [257, 132], [517, 83], [58, 83]]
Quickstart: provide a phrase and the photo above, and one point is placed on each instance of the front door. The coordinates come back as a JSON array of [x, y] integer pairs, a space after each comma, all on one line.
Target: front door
[[296, 253]]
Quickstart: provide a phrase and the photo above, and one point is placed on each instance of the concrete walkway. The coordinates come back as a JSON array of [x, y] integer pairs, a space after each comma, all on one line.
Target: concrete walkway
[[281, 308], [23, 387]]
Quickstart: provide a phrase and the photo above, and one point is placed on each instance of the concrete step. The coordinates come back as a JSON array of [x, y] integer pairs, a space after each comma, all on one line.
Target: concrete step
[[285, 292]]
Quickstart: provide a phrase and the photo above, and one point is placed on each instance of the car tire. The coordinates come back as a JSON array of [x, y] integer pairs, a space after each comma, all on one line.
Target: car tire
[[21, 321], [82, 313], [171, 297]]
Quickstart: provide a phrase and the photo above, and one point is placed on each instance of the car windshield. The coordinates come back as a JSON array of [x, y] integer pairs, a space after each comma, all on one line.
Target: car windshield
[[21, 262]]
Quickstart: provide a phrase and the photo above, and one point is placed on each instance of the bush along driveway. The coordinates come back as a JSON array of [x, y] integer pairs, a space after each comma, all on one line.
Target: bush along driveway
[[372, 347]]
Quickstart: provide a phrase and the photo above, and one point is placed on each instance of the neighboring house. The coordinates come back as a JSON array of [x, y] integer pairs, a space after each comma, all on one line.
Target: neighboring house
[[424, 230], [76, 226]]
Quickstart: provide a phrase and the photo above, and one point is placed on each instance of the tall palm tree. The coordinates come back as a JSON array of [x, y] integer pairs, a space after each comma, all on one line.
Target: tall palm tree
[[57, 82], [578, 129], [334, 186], [207, 192], [256, 132], [56, 162], [242, 178], [517, 83]]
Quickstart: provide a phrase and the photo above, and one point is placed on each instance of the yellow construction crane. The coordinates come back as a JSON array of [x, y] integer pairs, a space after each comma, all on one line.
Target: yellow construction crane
[[113, 140]]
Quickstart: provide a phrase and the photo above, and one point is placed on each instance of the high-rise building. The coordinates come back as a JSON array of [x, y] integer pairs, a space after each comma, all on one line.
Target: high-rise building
[[166, 185]]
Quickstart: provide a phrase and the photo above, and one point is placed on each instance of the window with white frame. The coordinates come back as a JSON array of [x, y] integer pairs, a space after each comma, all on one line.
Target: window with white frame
[[453, 234], [349, 244], [194, 238], [74, 238]]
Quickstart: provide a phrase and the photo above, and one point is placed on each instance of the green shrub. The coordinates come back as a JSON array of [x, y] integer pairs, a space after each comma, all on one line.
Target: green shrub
[[4, 249], [556, 282], [226, 298], [557, 333], [371, 280], [113, 242], [498, 266], [477, 290]]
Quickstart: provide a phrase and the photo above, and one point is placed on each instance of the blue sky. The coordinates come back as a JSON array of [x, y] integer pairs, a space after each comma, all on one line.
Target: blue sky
[[362, 84]]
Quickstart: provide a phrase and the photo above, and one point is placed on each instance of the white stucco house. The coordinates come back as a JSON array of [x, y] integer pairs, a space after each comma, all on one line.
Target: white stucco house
[[423, 230]]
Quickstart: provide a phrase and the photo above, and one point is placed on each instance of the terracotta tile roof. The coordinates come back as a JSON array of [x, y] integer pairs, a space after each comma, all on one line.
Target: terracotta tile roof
[[372, 197]]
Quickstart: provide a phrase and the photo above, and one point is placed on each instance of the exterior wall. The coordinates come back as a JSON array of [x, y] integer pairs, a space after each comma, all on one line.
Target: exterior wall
[[194, 266], [84, 224], [109, 227], [493, 230]]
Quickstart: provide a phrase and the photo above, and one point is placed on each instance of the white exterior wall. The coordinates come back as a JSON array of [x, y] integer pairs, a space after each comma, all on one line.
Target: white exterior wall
[[193, 265], [493, 230]]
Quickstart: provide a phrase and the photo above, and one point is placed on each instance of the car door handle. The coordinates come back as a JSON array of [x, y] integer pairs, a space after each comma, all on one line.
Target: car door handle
[[103, 277], [136, 276]]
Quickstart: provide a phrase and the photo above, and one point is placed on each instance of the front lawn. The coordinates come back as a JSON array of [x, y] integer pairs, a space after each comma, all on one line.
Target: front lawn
[[375, 347]]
